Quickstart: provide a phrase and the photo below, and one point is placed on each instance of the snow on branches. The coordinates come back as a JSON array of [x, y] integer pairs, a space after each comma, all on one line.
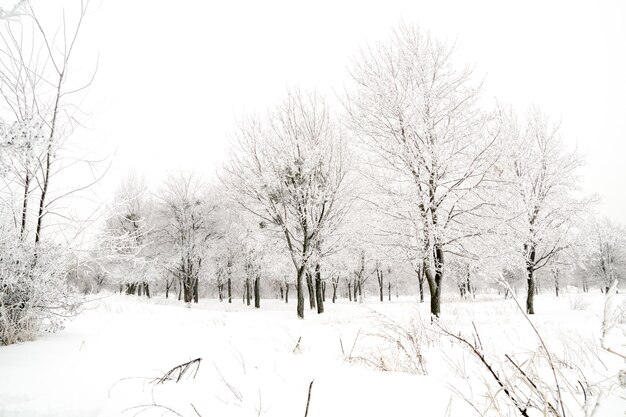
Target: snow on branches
[[288, 170]]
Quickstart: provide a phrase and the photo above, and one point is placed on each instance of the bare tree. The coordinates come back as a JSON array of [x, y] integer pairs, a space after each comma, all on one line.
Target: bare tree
[[380, 278], [419, 113], [38, 113], [360, 276], [227, 246], [129, 231], [542, 176], [185, 228], [37, 91], [604, 251], [288, 170]]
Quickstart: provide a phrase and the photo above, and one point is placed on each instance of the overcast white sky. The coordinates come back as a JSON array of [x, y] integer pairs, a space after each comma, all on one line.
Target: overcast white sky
[[174, 76]]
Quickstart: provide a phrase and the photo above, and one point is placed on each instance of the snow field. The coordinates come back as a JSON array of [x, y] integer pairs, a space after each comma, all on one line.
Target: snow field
[[261, 362]]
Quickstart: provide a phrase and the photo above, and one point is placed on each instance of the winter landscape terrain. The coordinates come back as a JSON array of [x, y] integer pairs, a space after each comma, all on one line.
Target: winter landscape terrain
[[346, 208], [109, 360]]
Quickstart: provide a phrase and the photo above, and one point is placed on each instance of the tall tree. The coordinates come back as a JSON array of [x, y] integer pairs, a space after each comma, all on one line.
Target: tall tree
[[129, 231], [541, 174], [419, 113], [37, 116], [38, 104], [604, 254], [288, 170], [186, 226]]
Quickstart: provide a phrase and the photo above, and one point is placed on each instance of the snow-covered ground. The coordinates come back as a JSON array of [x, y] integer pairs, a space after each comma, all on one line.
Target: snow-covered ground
[[262, 362]]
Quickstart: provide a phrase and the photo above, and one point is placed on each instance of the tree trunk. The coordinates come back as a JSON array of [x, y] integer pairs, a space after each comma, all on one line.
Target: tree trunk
[[286, 293], [468, 283], [434, 280], [282, 293], [188, 289], [257, 292], [27, 181], [49, 151], [147, 289], [324, 291], [230, 295], [131, 289], [219, 292], [46, 181], [555, 273], [420, 279], [195, 290], [435, 302], [350, 291], [318, 290], [311, 289], [530, 297], [356, 290], [389, 290], [334, 292], [530, 269], [300, 291], [248, 295]]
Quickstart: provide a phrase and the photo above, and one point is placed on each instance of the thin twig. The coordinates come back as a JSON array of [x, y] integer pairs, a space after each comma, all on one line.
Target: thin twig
[[194, 409], [308, 400], [297, 347], [543, 344]]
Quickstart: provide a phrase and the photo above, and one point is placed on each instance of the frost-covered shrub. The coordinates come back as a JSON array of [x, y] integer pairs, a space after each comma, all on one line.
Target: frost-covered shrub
[[578, 303], [396, 347], [34, 294]]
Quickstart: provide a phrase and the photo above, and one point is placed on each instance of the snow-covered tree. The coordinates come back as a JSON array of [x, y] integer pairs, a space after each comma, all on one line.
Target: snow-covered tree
[[604, 251], [540, 173], [287, 169], [184, 226], [225, 248], [419, 112], [38, 103], [128, 237], [37, 116]]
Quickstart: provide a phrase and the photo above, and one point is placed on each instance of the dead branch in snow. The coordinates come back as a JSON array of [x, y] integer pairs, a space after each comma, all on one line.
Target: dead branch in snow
[[177, 372], [308, 399]]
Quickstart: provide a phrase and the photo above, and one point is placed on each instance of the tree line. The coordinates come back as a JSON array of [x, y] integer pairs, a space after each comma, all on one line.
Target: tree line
[[413, 172], [411, 181]]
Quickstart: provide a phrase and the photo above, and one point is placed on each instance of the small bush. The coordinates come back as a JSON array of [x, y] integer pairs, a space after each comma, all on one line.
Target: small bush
[[578, 303], [396, 347], [34, 294]]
